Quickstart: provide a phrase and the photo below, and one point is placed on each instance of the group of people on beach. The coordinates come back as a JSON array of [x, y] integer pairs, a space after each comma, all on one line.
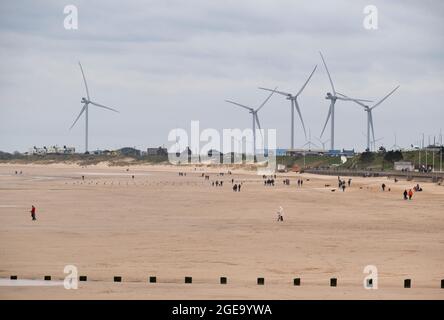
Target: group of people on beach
[[237, 187], [217, 183], [342, 184], [408, 195]]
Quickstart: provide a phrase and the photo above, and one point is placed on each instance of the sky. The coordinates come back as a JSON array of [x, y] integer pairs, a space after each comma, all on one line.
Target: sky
[[163, 64]]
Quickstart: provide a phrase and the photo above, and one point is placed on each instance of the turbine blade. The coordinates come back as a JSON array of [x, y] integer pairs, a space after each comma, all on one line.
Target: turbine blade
[[102, 106], [257, 120], [329, 77], [81, 111], [268, 98], [328, 117], [303, 87], [84, 80], [240, 105], [280, 92], [296, 105], [351, 99], [382, 100]]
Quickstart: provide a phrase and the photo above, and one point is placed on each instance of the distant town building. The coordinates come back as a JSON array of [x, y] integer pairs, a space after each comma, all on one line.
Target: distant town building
[[128, 151], [347, 153], [160, 151], [403, 166], [302, 152], [51, 150]]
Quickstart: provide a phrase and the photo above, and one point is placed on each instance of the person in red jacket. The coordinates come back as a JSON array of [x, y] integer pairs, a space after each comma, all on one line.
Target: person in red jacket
[[410, 194], [33, 213]]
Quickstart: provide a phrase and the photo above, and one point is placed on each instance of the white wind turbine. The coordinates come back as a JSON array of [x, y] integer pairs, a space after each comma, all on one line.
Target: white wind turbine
[[86, 102], [369, 110], [323, 142], [331, 111], [294, 105], [255, 118], [309, 142]]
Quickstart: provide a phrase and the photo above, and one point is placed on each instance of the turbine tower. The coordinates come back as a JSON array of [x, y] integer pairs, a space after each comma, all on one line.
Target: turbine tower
[[331, 111], [369, 110], [254, 116], [86, 101], [294, 105]]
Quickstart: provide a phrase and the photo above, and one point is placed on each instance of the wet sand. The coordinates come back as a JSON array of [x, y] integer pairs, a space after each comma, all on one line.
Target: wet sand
[[164, 225]]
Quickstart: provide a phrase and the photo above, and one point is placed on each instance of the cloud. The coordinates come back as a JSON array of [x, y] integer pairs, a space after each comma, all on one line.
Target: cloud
[[165, 63]]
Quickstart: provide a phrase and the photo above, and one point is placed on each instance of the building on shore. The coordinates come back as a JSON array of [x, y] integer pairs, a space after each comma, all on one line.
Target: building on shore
[[51, 150], [403, 166], [160, 151]]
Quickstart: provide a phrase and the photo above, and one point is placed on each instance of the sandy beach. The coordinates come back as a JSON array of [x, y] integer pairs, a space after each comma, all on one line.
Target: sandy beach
[[170, 226]]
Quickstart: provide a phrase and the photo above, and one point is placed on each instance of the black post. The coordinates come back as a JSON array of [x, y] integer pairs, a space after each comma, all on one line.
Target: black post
[[407, 283]]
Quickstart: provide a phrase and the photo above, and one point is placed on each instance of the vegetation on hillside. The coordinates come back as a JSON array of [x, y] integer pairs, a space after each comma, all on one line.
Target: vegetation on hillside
[[367, 160]]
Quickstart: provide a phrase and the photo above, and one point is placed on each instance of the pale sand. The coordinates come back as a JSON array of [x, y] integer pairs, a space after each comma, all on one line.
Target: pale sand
[[168, 226]]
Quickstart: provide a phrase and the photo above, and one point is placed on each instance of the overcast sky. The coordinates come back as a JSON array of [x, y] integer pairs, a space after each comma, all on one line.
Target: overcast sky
[[166, 63]]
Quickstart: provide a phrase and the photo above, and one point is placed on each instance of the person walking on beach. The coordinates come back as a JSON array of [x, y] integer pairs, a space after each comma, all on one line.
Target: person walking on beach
[[405, 194], [349, 182], [280, 216], [343, 187], [33, 213], [383, 187], [410, 194]]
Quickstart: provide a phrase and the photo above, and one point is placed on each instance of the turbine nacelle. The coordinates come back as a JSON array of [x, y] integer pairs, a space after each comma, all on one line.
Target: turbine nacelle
[[84, 100], [329, 96]]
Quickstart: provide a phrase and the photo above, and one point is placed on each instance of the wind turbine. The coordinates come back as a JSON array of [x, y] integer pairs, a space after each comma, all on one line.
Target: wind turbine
[[86, 102], [369, 114], [254, 116], [373, 142], [294, 105], [323, 142], [309, 142], [331, 111], [395, 147]]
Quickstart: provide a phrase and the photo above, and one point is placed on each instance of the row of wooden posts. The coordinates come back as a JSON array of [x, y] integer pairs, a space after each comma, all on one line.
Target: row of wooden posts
[[224, 280]]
